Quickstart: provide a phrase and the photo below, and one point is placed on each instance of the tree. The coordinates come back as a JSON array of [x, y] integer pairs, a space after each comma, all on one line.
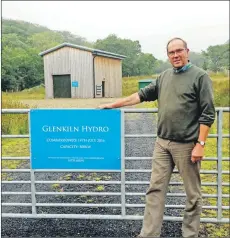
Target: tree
[[161, 66], [12, 40], [45, 40], [133, 63], [197, 59], [145, 64], [74, 39], [22, 67], [217, 57]]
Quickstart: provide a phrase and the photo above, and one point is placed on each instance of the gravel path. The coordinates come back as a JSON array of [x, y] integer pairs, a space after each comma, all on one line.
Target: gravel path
[[67, 102], [134, 124]]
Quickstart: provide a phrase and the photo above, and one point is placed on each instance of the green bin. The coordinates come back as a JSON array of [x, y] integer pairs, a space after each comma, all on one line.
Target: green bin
[[144, 82]]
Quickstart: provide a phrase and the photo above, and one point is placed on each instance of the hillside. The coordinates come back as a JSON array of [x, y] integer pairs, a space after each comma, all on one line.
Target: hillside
[[30, 34], [22, 42]]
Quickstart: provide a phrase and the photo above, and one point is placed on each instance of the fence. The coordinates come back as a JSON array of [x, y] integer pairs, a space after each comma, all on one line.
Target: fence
[[123, 205]]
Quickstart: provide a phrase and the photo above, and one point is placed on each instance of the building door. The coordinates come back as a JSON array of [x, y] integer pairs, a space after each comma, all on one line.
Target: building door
[[62, 86], [103, 89]]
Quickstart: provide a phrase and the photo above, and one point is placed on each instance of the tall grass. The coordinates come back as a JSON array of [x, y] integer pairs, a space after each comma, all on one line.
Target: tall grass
[[220, 88], [37, 93], [221, 91], [18, 123], [130, 84], [14, 123]]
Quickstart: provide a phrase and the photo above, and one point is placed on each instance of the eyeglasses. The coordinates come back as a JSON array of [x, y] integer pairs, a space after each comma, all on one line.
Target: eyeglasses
[[178, 51]]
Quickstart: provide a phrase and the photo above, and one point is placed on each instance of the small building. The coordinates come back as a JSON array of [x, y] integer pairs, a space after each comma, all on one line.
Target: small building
[[73, 71]]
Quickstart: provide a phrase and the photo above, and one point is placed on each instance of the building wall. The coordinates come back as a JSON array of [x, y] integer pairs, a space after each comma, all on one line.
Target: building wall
[[57, 62], [109, 70], [77, 63], [81, 63]]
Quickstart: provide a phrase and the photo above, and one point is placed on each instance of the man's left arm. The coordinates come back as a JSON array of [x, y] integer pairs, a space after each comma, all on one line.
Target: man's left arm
[[207, 116]]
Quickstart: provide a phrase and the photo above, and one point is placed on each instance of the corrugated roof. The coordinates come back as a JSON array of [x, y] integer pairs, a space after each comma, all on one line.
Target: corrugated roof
[[94, 51]]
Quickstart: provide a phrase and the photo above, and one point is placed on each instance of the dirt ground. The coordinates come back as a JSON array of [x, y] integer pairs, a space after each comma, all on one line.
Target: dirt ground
[[68, 103]]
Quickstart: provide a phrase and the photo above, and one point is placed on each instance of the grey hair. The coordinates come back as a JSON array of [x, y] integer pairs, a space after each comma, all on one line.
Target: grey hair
[[177, 38]]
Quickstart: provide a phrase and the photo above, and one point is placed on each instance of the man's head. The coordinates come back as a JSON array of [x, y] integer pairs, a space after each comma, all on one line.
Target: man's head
[[177, 52]]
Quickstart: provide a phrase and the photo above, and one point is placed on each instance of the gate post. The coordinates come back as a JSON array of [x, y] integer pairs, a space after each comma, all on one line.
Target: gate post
[[33, 190], [123, 210], [32, 175], [219, 163]]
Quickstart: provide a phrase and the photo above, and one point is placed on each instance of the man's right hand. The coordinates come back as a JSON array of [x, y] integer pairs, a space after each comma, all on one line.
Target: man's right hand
[[127, 101], [105, 106]]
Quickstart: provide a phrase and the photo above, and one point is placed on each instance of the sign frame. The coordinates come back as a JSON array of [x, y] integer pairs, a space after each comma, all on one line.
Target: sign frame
[[115, 165]]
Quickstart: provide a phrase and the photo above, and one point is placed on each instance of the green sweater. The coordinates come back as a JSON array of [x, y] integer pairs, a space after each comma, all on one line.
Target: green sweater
[[185, 100]]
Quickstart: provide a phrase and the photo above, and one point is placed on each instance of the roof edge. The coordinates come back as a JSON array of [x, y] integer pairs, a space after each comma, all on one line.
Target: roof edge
[[94, 51]]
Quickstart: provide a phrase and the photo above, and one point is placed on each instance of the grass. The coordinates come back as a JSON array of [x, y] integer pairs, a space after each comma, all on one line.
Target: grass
[[14, 147], [14, 123], [130, 84], [214, 230], [56, 186], [32, 93], [18, 124], [81, 176], [221, 91], [100, 188]]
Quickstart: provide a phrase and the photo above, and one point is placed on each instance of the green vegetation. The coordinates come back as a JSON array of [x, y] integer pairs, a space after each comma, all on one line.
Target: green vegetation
[[56, 186], [130, 84], [68, 177], [22, 67], [136, 63], [37, 92], [14, 147], [81, 176], [221, 91], [214, 230], [14, 123], [100, 188]]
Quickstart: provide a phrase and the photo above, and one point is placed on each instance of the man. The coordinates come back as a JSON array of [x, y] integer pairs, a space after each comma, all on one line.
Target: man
[[185, 114]]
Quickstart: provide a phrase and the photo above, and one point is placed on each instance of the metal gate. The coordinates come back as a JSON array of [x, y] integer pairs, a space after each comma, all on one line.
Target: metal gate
[[123, 205]]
